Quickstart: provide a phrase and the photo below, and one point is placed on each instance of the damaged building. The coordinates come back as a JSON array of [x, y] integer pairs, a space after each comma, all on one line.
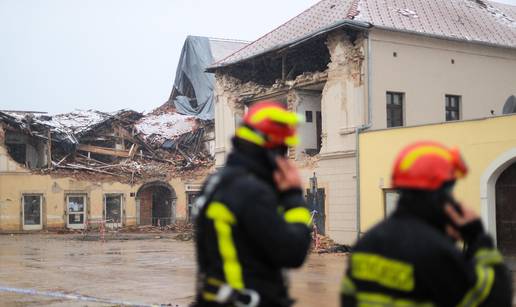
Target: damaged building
[[85, 168], [352, 65]]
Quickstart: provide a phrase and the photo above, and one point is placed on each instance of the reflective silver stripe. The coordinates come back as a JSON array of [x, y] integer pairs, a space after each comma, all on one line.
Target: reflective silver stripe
[[479, 292]]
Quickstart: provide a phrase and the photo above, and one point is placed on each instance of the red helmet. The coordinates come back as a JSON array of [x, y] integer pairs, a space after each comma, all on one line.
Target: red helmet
[[269, 124], [426, 166]]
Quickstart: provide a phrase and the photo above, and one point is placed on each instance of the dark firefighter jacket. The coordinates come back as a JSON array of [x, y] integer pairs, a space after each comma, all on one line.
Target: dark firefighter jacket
[[248, 232], [405, 261]]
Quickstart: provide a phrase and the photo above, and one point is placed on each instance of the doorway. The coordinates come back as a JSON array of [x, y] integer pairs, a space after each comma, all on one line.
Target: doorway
[[506, 211], [76, 211], [157, 204], [32, 212], [113, 210]]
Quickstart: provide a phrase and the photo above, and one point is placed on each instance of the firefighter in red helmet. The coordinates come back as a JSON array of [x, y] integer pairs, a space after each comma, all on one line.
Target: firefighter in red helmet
[[251, 220], [412, 258]]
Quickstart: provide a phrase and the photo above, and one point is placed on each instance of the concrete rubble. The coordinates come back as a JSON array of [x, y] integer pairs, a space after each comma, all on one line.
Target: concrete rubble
[[123, 146]]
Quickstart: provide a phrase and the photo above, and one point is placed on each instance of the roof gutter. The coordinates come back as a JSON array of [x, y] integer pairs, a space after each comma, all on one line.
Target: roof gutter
[[344, 23]]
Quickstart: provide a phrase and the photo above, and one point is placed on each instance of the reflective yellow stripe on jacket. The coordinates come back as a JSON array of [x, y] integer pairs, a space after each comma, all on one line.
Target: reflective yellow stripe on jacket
[[368, 299], [484, 258], [223, 219], [387, 272], [298, 215]]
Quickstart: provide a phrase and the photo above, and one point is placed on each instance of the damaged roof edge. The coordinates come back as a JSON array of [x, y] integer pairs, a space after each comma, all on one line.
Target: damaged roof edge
[[344, 23], [442, 37]]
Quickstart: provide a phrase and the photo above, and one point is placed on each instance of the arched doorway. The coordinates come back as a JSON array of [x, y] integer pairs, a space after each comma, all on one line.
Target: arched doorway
[[506, 210], [157, 204], [488, 182]]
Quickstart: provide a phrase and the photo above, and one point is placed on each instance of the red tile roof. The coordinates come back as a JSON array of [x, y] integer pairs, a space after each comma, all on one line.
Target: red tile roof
[[477, 21]]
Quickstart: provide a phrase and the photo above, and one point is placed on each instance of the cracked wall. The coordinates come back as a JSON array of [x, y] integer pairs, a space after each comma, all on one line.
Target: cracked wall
[[343, 109]]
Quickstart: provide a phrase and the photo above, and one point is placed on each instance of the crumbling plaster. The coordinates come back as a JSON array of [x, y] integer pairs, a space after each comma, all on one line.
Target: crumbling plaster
[[343, 106], [15, 181]]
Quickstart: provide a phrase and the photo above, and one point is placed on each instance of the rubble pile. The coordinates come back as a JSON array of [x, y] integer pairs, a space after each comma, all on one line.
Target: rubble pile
[[125, 146], [184, 230], [326, 245]]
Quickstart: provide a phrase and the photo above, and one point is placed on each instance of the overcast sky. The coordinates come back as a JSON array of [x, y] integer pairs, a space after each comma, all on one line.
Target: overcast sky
[[59, 55]]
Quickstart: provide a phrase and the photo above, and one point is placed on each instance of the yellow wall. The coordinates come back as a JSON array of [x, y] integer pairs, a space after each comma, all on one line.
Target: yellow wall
[[481, 142], [16, 181]]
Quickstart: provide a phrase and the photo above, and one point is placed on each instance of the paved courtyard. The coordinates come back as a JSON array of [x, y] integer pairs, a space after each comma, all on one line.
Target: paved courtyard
[[138, 269]]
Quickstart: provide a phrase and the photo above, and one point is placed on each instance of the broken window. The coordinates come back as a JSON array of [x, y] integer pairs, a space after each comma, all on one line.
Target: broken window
[[452, 107], [113, 209], [29, 151], [394, 109], [309, 105]]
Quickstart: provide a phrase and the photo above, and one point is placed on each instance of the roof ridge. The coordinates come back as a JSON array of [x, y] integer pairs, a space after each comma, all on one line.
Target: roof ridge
[[227, 40], [259, 38]]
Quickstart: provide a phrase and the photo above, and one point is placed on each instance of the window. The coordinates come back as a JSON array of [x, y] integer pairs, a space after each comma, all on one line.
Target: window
[[390, 200], [308, 116], [32, 212], [113, 209], [394, 109], [452, 107], [76, 211], [191, 197]]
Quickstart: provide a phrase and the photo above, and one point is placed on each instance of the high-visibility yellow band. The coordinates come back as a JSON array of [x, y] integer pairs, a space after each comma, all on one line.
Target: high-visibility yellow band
[[488, 257], [369, 299], [219, 212], [298, 215], [418, 152], [387, 272], [250, 136], [481, 289], [292, 140], [208, 296], [347, 286], [223, 218], [214, 282], [276, 114]]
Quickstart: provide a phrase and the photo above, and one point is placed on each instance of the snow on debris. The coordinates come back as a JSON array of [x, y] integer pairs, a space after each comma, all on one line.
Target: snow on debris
[[78, 121], [166, 125], [407, 13]]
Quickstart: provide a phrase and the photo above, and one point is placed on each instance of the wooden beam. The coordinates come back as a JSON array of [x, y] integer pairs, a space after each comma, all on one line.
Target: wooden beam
[[133, 150], [104, 150], [49, 149]]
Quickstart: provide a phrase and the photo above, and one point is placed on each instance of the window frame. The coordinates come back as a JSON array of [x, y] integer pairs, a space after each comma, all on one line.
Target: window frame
[[113, 224], [41, 203], [386, 210], [391, 107], [449, 108]]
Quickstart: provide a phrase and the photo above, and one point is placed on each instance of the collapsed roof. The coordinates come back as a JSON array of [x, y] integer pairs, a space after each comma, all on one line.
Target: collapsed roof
[[117, 144], [192, 93]]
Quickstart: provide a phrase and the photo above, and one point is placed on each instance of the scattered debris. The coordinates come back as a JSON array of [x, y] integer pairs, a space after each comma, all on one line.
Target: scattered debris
[[124, 146], [327, 245]]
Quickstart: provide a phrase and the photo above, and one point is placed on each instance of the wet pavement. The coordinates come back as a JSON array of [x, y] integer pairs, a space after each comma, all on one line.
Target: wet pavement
[[146, 269], [136, 269]]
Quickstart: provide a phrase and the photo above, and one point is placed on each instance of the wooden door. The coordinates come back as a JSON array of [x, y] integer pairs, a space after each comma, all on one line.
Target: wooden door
[[506, 211]]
